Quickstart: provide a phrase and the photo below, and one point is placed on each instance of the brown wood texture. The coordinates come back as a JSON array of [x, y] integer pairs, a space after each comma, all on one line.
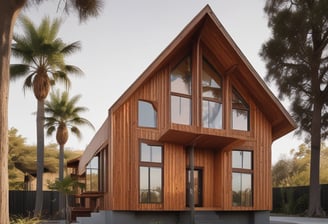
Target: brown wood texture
[[203, 37]]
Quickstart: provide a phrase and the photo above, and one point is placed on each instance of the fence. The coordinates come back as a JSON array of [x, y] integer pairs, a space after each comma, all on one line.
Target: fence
[[23, 202], [294, 200]]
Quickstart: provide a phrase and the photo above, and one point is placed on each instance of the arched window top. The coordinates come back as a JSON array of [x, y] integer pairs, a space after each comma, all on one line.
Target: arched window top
[[211, 82], [147, 114], [181, 77]]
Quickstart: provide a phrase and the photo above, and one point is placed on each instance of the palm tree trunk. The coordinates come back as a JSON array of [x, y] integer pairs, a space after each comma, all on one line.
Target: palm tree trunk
[[40, 158], [9, 11], [62, 207]]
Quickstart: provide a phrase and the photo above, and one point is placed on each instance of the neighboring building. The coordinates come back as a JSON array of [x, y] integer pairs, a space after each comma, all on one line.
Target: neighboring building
[[190, 140]]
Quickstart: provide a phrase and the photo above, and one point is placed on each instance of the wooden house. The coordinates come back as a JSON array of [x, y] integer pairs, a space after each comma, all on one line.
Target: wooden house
[[190, 140]]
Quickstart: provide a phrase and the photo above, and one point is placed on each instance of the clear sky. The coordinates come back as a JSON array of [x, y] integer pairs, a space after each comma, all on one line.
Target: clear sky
[[123, 41]]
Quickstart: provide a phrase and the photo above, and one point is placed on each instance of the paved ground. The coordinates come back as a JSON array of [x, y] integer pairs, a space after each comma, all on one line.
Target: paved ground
[[297, 220], [273, 220]]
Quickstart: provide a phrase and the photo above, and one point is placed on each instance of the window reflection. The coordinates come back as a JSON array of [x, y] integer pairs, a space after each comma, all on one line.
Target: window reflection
[[181, 80], [242, 186], [147, 115], [180, 110], [241, 189], [150, 174], [212, 97], [212, 114], [181, 77], [242, 159], [92, 175], [240, 112]]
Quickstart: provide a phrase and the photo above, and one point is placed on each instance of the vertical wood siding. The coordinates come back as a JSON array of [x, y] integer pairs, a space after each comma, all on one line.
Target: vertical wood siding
[[215, 163]]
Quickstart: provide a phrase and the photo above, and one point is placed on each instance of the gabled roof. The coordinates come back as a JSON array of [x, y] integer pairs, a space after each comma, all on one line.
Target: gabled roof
[[207, 25]]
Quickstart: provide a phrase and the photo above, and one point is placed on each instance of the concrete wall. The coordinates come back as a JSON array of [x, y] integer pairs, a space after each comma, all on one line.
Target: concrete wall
[[258, 217]]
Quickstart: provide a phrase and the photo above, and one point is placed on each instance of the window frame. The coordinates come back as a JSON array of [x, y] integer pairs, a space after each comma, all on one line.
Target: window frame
[[149, 165], [88, 184], [154, 111], [219, 100], [243, 171], [180, 94], [234, 91]]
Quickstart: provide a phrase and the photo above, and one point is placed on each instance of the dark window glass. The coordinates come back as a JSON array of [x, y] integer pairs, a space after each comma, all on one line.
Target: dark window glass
[[242, 174], [150, 174], [181, 80], [212, 97], [241, 189], [147, 115], [240, 112]]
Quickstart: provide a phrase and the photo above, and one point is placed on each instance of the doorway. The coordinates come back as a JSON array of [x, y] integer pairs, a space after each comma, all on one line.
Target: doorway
[[198, 187]]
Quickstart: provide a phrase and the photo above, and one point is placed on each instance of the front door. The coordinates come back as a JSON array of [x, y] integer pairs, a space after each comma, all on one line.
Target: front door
[[198, 187]]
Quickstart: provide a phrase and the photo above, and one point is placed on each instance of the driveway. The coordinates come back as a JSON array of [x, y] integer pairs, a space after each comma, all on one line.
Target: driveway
[[297, 220]]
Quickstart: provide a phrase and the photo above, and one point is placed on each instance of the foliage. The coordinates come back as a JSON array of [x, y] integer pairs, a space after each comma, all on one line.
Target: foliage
[[42, 54], [24, 220], [297, 61], [67, 186], [22, 159], [296, 57], [62, 112], [295, 171], [9, 13]]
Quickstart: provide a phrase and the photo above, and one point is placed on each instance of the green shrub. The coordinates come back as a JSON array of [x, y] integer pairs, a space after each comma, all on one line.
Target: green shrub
[[24, 220]]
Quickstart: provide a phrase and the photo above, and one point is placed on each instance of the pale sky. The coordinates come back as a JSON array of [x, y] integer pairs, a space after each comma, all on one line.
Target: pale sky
[[123, 41]]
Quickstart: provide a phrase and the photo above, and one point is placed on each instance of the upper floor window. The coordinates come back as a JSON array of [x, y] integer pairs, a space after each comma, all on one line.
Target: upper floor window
[[240, 112], [92, 175], [181, 80], [150, 174], [242, 178], [147, 115], [212, 97]]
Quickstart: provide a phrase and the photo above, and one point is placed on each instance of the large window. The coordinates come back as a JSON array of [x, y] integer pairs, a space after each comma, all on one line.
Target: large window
[[242, 178], [92, 175], [212, 97], [240, 112], [150, 173], [147, 115], [181, 92]]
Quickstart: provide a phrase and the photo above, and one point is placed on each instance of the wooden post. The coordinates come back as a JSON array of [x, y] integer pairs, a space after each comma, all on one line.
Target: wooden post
[[191, 184]]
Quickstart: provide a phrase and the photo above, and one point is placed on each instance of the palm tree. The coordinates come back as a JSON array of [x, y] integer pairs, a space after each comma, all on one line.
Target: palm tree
[[9, 11], [42, 54], [62, 114], [66, 186]]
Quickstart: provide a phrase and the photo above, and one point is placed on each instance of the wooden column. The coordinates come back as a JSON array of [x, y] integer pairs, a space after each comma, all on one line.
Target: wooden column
[[191, 184]]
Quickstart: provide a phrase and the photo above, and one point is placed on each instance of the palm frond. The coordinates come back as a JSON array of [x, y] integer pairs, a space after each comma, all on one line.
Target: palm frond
[[71, 48], [18, 70], [86, 8]]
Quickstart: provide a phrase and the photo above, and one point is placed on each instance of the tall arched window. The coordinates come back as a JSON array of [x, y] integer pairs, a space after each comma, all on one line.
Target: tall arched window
[[181, 92], [212, 97]]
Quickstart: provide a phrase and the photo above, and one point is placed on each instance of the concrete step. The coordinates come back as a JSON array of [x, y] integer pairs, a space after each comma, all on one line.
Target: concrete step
[[207, 217]]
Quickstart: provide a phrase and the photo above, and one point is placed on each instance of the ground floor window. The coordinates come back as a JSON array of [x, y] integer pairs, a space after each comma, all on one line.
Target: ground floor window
[[150, 173], [242, 178], [92, 175]]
